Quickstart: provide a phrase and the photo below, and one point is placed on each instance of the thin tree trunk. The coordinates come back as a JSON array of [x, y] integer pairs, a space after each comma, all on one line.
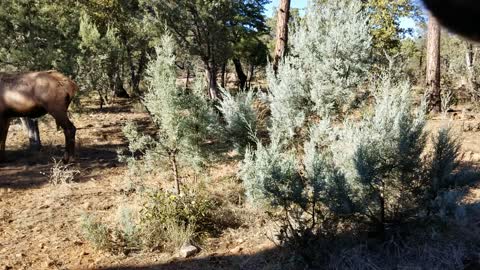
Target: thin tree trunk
[[142, 64], [282, 32], [119, 89], [187, 81], [252, 75], [211, 74], [471, 83], [433, 64], [242, 78], [224, 74], [173, 162]]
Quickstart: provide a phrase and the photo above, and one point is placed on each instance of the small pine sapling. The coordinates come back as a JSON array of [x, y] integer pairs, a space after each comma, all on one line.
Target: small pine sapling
[[183, 119]]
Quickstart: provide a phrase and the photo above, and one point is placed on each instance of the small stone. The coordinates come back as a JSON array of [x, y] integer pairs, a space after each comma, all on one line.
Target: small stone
[[188, 250], [19, 255], [84, 253], [45, 206], [236, 250], [49, 263], [41, 245], [78, 243]]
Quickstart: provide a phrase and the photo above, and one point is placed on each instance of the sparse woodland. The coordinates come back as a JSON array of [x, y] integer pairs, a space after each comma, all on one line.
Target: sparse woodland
[[213, 135]]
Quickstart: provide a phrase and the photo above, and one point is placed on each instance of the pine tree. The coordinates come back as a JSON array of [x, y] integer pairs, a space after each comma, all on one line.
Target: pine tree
[[433, 64]]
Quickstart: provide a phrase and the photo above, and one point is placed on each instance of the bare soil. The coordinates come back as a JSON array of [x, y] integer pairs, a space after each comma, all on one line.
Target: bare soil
[[39, 222]]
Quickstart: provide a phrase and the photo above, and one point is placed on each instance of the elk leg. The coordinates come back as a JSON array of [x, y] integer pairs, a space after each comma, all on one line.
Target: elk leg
[[69, 130], [4, 124], [31, 125]]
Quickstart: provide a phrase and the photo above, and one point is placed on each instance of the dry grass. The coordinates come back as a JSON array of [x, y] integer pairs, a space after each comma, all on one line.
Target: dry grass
[[61, 173]]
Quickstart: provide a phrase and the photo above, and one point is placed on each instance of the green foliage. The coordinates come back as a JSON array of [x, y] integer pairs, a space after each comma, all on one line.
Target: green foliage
[[39, 35], [383, 158], [96, 233], [165, 221], [209, 29], [240, 117], [134, 39], [98, 57], [385, 17], [443, 160], [328, 60], [317, 172], [168, 219], [271, 176], [183, 120]]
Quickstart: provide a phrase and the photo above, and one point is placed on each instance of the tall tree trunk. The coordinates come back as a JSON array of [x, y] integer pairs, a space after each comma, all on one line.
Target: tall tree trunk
[[136, 72], [282, 32], [252, 75], [433, 64], [224, 74], [176, 178], [470, 61], [187, 81], [242, 78], [211, 73], [137, 76], [119, 89]]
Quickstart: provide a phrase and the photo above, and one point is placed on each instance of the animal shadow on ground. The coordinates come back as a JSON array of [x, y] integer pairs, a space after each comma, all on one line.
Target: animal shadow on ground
[[25, 169]]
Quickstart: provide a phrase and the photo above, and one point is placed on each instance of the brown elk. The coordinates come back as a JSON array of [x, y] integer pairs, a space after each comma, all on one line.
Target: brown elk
[[34, 94]]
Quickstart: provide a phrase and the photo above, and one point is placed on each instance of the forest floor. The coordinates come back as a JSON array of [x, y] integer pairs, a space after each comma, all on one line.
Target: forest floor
[[39, 222]]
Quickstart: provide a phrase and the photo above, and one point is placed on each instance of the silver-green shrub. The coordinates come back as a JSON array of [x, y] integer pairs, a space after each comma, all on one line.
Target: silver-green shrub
[[328, 60], [240, 116], [324, 167], [183, 119], [381, 155], [443, 160]]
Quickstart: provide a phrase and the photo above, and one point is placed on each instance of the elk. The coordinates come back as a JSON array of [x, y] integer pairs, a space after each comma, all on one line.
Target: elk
[[34, 94]]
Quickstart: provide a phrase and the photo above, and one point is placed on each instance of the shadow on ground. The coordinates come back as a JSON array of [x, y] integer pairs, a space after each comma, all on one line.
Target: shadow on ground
[[25, 169], [267, 259]]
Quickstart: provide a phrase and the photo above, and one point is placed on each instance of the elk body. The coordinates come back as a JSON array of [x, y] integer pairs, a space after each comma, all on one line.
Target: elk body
[[34, 94]]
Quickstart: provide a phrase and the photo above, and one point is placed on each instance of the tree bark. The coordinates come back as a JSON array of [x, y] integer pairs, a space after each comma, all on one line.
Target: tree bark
[[242, 78], [282, 32], [470, 61], [119, 90], [173, 163], [224, 74], [136, 73], [433, 65], [211, 73], [252, 75]]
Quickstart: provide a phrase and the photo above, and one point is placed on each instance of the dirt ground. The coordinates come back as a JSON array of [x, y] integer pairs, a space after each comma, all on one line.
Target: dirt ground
[[39, 222]]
